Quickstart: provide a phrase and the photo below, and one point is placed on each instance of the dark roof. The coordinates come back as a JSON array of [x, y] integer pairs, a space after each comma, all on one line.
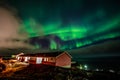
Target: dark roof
[[49, 54]]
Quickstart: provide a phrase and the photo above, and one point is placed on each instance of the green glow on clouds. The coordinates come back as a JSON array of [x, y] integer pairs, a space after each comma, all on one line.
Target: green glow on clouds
[[72, 21], [53, 45], [72, 32]]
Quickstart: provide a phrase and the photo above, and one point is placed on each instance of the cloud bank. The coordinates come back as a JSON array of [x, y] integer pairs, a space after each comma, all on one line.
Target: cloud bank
[[10, 36]]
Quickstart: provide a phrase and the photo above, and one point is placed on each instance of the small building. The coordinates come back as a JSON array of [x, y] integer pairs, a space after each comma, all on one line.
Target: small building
[[61, 59]]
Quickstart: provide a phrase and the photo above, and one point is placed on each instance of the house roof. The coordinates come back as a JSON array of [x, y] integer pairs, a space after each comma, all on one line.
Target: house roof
[[49, 54]]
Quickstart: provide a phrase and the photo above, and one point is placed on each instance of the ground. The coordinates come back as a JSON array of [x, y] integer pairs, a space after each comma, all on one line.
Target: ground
[[20, 71]]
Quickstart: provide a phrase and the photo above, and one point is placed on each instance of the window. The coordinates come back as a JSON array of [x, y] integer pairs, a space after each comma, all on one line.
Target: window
[[18, 58], [26, 59], [38, 60], [45, 59]]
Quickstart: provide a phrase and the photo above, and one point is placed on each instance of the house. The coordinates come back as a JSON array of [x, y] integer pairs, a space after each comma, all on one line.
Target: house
[[61, 59]]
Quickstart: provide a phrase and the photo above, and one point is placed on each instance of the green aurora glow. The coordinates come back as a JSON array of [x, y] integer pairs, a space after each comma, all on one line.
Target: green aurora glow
[[77, 21]]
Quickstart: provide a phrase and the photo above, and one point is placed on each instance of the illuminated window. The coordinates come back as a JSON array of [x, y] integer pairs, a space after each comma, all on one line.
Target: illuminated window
[[38, 60], [26, 59], [18, 58], [45, 59]]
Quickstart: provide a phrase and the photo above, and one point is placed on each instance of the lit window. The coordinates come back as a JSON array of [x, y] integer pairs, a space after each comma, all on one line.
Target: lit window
[[18, 58], [47, 59], [38, 60], [26, 59], [44, 59]]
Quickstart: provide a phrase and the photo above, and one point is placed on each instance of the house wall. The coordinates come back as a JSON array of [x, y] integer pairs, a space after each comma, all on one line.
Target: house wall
[[39, 60], [51, 59], [32, 60], [20, 59], [63, 60], [45, 60], [48, 60], [26, 58]]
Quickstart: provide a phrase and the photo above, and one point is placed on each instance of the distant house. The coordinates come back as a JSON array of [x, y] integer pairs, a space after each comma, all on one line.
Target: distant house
[[62, 59]]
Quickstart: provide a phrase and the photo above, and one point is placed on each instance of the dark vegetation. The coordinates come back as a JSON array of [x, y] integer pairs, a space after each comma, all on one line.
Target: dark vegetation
[[45, 72], [2, 67]]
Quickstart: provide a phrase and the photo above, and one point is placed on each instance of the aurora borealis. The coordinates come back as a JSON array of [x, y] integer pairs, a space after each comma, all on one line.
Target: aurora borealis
[[68, 24]]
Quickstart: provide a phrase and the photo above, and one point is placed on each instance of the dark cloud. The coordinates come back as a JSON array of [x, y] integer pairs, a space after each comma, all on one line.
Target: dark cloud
[[107, 48]]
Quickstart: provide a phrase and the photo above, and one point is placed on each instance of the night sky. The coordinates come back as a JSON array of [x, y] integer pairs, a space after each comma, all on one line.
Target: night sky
[[67, 25]]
